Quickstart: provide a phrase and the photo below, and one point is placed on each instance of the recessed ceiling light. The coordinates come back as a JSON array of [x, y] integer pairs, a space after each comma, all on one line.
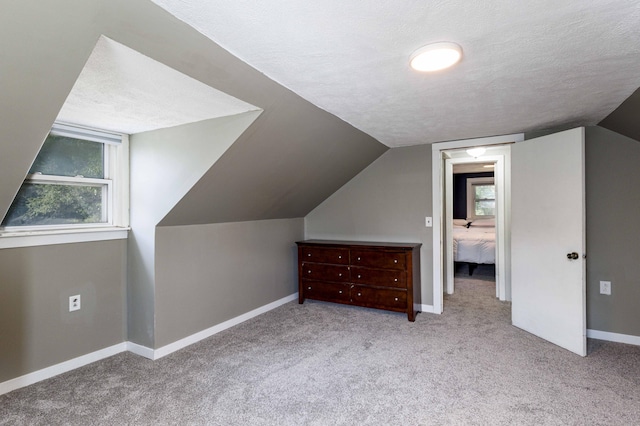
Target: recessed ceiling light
[[436, 56], [476, 152]]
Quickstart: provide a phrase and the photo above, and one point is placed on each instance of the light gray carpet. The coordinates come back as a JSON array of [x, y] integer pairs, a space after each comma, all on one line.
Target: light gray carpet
[[325, 364]]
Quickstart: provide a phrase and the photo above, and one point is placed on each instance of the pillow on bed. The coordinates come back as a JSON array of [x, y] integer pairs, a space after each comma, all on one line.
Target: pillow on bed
[[460, 222], [486, 223]]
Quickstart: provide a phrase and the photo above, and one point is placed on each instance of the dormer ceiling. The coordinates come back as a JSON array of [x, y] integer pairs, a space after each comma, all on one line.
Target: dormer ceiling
[[526, 65], [125, 91]]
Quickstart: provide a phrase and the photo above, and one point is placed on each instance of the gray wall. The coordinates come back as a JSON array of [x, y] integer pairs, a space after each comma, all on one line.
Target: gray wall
[[624, 119], [292, 157], [388, 201], [43, 48], [36, 328], [207, 274], [613, 231], [165, 164], [295, 155]]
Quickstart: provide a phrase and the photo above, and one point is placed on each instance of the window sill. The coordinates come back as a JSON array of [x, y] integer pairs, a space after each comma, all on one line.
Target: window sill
[[63, 236]]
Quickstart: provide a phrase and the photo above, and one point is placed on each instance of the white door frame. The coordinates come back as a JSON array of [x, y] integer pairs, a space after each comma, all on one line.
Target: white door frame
[[500, 255], [438, 203]]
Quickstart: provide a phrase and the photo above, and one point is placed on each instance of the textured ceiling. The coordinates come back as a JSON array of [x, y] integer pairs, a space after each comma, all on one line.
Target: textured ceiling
[[526, 65], [122, 90]]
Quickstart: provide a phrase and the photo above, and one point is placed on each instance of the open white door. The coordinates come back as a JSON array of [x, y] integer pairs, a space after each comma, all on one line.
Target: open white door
[[548, 238]]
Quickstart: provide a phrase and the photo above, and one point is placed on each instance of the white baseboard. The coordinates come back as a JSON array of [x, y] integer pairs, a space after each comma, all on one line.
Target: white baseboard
[[426, 308], [140, 350], [201, 335], [614, 337], [63, 367], [72, 364]]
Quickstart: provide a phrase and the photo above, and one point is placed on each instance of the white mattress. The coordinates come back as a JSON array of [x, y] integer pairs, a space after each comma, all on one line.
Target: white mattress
[[474, 244]]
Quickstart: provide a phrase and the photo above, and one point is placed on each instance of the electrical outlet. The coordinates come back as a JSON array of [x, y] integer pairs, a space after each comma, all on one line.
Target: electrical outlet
[[605, 287], [428, 222], [74, 303]]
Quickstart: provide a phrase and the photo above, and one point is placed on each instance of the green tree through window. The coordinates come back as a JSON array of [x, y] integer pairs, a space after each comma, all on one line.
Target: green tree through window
[[59, 200]]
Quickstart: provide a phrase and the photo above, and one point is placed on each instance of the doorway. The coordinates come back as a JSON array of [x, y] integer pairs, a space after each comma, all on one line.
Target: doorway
[[483, 239], [545, 238], [474, 212], [445, 155]]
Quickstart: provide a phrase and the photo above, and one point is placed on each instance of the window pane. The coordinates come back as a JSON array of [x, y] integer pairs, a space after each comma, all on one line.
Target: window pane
[[55, 204], [485, 192], [64, 156], [485, 208]]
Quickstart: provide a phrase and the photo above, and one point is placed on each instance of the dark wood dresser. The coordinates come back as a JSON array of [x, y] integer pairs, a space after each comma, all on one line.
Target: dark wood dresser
[[375, 275]]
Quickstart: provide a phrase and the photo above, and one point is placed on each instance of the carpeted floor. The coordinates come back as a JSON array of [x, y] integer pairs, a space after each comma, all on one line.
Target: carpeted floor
[[326, 364]]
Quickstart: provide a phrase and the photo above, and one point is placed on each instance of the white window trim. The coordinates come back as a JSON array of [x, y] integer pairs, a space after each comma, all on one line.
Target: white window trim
[[61, 236], [471, 196], [118, 228]]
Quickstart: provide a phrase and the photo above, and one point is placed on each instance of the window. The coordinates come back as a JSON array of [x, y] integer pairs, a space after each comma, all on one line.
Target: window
[[74, 182], [481, 198]]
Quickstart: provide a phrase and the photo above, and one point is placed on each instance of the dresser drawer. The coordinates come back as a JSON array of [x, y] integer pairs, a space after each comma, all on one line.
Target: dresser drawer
[[338, 256], [395, 300], [330, 292], [379, 259], [325, 272], [379, 277], [376, 275]]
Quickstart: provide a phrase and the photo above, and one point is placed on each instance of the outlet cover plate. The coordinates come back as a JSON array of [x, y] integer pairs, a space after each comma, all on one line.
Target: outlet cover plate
[[74, 303], [605, 287]]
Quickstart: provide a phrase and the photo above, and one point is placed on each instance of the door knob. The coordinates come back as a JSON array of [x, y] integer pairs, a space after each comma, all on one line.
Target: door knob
[[572, 256]]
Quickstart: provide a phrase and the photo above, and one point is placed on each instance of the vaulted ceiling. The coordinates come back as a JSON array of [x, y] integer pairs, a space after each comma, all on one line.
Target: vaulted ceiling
[[331, 78], [291, 158], [526, 65]]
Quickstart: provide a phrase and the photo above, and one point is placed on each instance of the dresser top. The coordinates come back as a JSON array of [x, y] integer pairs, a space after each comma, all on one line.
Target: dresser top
[[359, 244]]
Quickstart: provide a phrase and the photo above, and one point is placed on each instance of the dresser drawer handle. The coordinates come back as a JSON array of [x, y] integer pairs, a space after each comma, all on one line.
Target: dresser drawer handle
[[309, 254], [308, 288], [396, 299], [396, 280], [308, 272], [395, 260], [340, 291], [358, 276], [358, 258], [339, 275], [339, 257], [359, 294]]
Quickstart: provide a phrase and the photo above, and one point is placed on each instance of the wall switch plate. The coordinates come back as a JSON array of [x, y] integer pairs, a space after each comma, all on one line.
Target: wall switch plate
[[74, 303], [605, 287], [428, 222]]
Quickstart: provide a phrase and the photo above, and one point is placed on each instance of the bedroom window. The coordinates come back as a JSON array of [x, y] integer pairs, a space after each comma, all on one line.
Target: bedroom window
[[481, 198], [74, 182]]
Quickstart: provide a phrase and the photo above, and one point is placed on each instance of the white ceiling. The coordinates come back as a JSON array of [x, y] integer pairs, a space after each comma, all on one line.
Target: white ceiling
[[122, 90], [526, 65]]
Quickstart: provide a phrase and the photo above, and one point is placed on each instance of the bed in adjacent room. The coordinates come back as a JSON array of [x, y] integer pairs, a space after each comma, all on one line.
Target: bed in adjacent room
[[474, 242]]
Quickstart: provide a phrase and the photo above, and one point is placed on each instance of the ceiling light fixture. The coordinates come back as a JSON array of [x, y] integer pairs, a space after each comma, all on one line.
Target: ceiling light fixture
[[476, 152], [436, 56]]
